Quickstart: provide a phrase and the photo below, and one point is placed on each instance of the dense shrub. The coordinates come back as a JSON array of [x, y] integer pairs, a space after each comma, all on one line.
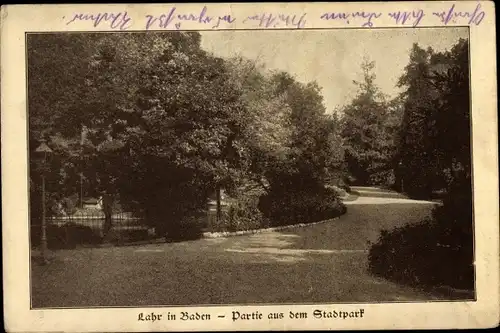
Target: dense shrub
[[418, 191], [438, 251], [301, 206], [345, 187], [341, 180], [70, 204], [188, 227], [384, 178], [243, 214], [71, 235], [123, 236], [340, 192], [178, 213]]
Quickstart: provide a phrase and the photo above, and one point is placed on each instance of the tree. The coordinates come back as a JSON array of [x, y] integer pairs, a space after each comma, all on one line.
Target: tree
[[286, 129], [158, 123], [315, 150], [436, 95], [297, 182], [434, 146], [147, 116], [417, 143], [183, 136], [265, 119], [451, 79], [367, 129]]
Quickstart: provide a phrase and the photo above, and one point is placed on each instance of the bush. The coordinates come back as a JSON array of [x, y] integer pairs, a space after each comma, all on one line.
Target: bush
[[384, 178], [71, 235], [340, 192], [345, 187], [138, 235], [119, 237], [438, 251], [70, 204], [350, 179], [181, 215], [417, 186], [301, 206], [243, 214], [340, 180], [186, 228]]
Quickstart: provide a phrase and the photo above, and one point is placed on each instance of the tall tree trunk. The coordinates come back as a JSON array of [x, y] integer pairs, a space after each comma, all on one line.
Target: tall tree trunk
[[107, 206], [219, 208]]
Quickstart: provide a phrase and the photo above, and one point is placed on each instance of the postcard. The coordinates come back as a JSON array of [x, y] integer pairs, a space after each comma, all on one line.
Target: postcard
[[257, 166]]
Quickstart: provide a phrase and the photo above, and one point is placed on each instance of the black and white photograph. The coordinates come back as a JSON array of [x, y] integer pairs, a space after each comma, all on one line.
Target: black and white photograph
[[195, 168]]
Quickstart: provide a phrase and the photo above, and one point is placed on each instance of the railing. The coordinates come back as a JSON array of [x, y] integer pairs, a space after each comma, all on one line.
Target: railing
[[213, 223], [96, 220], [88, 228]]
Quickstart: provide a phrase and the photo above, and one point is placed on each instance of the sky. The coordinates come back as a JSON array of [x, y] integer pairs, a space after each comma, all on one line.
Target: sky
[[332, 57]]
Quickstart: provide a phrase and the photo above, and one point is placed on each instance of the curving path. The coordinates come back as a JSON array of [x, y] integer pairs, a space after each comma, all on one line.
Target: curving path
[[324, 263]]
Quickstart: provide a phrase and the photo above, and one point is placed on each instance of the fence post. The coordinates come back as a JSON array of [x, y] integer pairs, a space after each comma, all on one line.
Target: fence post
[[209, 220], [66, 234]]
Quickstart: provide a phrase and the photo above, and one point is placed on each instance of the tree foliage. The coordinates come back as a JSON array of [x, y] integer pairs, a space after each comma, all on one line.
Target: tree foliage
[[158, 122], [434, 150], [315, 150], [435, 134], [368, 127]]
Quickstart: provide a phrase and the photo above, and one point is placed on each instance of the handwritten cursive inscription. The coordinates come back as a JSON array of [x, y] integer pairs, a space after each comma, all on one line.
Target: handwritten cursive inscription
[[224, 18], [165, 21], [347, 17], [119, 20], [406, 17], [174, 19], [452, 15], [269, 20]]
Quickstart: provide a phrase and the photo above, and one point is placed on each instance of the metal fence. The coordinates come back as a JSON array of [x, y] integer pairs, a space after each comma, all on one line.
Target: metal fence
[[95, 221], [88, 228]]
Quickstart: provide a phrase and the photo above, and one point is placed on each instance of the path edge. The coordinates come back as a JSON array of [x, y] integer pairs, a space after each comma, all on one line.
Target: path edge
[[265, 230]]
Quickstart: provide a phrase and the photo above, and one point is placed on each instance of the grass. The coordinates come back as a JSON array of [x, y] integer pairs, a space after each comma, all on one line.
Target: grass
[[293, 266]]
